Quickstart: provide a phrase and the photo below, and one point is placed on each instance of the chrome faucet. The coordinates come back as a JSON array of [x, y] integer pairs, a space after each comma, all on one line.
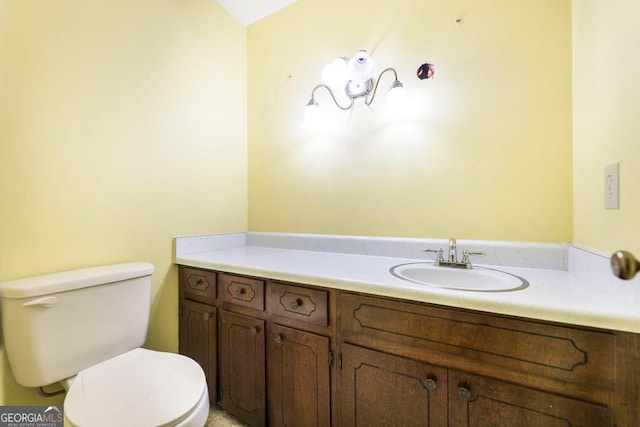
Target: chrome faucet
[[453, 251], [452, 256]]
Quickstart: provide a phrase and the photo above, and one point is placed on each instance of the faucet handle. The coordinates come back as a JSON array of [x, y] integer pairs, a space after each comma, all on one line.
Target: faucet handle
[[439, 255], [467, 253], [478, 253]]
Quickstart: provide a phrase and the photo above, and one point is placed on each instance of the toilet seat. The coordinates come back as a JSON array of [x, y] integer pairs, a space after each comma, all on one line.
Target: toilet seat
[[138, 388]]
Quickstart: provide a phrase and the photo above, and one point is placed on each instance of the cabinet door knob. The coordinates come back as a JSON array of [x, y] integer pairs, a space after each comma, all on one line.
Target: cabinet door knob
[[464, 393], [430, 384], [253, 331], [206, 316], [277, 339]]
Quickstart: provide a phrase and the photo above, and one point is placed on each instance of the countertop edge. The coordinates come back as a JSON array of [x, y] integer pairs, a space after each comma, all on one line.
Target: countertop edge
[[582, 314]]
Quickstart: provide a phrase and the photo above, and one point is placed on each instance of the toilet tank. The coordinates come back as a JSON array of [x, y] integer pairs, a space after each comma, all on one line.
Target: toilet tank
[[58, 324]]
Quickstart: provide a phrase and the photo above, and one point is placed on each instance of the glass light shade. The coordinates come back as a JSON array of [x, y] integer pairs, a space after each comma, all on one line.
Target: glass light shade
[[396, 100], [360, 67], [311, 119], [335, 72]]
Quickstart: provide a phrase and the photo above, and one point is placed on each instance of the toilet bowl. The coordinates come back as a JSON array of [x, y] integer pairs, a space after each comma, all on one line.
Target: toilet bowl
[[139, 388], [85, 329]]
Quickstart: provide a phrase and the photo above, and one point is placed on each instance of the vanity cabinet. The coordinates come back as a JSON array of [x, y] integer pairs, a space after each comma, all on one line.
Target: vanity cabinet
[[268, 357], [292, 354], [492, 370]]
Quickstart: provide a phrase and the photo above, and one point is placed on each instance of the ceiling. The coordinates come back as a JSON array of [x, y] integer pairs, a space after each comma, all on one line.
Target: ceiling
[[250, 11]]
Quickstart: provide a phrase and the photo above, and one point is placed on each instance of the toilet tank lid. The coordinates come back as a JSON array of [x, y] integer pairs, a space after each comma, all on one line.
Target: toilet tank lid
[[75, 279]]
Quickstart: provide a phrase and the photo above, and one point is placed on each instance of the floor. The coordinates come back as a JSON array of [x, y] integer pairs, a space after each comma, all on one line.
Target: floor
[[218, 418]]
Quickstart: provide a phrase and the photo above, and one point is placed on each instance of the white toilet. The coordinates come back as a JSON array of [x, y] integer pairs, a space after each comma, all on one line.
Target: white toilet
[[84, 329]]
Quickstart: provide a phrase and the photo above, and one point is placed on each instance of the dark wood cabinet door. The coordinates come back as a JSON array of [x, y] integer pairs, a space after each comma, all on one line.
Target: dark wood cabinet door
[[242, 367], [379, 389], [478, 401], [298, 373], [198, 339]]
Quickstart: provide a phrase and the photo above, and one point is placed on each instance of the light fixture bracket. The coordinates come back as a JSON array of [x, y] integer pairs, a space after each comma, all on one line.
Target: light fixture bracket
[[355, 89]]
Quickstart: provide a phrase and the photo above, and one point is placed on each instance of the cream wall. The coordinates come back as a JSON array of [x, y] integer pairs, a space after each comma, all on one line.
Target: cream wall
[[484, 154], [606, 121], [123, 125]]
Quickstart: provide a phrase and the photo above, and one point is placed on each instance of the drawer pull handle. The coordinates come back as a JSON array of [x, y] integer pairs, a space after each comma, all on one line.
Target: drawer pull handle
[[239, 292], [253, 331], [430, 384], [198, 283], [277, 339], [296, 304], [464, 393]]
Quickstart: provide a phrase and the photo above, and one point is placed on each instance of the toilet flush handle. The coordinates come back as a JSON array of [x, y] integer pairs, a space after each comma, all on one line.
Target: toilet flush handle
[[46, 302]]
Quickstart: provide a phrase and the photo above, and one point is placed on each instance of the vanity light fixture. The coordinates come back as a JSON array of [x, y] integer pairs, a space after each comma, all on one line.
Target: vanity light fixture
[[355, 75]]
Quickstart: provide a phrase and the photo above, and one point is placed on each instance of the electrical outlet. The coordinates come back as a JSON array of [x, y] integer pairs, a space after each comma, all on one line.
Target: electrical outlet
[[612, 186]]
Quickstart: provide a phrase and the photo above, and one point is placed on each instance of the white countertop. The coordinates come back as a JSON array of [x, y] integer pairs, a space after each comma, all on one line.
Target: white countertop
[[585, 294]]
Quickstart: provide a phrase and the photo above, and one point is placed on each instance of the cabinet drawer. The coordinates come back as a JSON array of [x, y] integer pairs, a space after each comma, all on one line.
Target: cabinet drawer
[[464, 338], [296, 302], [198, 285], [242, 291]]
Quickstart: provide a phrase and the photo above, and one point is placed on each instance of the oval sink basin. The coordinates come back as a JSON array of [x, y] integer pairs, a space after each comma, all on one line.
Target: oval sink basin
[[477, 279]]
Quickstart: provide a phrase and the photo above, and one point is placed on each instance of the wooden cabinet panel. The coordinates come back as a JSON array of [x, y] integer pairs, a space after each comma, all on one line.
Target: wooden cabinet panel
[[479, 402], [242, 367], [298, 373], [198, 339], [379, 389], [242, 291], [299, 303], [469, 340], [197, 284], [399, 362]]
